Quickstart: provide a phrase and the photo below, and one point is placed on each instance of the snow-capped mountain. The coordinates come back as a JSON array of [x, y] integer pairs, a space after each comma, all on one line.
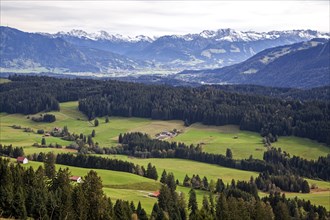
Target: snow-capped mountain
[[301, 65], [102, 35], [208, 49]]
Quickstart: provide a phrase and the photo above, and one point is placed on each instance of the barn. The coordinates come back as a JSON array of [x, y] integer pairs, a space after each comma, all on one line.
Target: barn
[[22, 160]]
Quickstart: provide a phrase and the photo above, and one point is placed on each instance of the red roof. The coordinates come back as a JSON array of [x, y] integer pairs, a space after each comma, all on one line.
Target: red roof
[[74, 178], [155, 194], [20, 159]]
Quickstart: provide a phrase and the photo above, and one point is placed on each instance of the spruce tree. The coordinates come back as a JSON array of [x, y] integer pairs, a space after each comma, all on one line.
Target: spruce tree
[[49, 165], [222, 209], [164, 177], [192, 204], [229, 153]]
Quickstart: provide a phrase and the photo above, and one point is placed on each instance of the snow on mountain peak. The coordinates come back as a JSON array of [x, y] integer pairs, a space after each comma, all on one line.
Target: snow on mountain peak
[[103, 35], [227, 34]]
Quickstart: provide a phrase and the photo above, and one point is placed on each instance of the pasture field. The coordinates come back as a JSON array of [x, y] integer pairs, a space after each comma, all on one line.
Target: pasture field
[[118, 185], [213, 139], [180, 168], [125, 186], [302, 147]]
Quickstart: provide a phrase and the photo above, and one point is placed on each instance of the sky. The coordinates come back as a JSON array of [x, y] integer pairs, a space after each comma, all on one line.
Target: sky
[[156, 18]]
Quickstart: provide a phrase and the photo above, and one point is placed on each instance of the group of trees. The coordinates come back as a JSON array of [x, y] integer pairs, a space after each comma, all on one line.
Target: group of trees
[[44, 118], [47, 194], [11, 151], [85, 161], [275, 161], [196, 182], [30, 193], [205, 104], [288, 183], [232, 201]]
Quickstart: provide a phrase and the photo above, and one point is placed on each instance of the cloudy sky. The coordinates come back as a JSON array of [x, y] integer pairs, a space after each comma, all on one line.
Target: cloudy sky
[[164, 17]]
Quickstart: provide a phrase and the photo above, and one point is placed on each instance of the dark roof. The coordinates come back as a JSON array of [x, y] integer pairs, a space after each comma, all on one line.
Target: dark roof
[[74, 178], [20, 159]]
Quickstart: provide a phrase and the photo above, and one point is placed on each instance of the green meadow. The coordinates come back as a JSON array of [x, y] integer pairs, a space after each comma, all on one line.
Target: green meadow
[[180, 168], [213, 139], [118, 185], [125, 186]]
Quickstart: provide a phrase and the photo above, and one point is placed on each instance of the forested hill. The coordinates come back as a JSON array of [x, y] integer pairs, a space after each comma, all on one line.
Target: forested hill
[[209, 105], [319, 93]]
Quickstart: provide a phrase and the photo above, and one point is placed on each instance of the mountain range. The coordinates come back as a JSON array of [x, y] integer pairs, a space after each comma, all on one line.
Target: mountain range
[[300, 65], [296, 58], [78, 51]]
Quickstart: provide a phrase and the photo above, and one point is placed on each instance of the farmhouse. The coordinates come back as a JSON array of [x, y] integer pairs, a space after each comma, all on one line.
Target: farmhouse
[[154, 194], [22, 160], [76, 179]]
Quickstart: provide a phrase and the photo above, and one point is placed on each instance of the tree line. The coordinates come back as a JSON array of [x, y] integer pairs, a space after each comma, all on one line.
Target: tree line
[[206, 104], [275, 161], [231, 201], [29, 193]]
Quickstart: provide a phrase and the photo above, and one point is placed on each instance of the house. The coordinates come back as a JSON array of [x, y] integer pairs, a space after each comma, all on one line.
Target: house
[[22, 160], [76, 179], [57, 129], [154, 194]]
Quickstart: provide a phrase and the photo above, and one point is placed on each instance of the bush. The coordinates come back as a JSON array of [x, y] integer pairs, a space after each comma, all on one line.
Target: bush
[[40, 131]]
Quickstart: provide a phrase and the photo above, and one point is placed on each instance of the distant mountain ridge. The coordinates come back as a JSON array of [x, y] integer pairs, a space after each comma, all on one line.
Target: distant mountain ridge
[[300, 65], [41, 53], [104, 54], [207, 49]]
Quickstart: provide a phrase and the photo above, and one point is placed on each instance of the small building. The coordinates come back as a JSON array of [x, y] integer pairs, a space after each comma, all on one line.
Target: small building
[[57, 129], [154, 194], [76, 179], [22, 160]]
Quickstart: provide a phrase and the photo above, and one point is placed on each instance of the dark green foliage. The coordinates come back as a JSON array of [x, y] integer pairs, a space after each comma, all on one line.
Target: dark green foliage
[[49, 118], [206, 104], [192, 204], [49, 165], [305, 187], [141, 213], [151, 172], [25, 193], [11, 151], [289, 183], [164, 177], [85, 161], [96, 122], [275, 161], [222, 209], [229, 153], [43, 142]]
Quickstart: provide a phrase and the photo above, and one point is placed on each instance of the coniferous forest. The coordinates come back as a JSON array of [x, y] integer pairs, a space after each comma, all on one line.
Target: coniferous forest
[[267, 115], [48, 194]]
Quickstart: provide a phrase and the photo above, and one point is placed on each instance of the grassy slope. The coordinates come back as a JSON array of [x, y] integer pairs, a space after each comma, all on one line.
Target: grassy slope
[[213, 139], [181, 167], [126, 186]]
